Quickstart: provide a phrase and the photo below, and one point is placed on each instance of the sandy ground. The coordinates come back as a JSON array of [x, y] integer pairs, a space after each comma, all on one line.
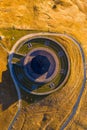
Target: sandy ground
[[56, 16]]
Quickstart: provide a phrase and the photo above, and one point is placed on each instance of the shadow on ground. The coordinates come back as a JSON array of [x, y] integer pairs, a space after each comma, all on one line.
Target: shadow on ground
[[8, 93]]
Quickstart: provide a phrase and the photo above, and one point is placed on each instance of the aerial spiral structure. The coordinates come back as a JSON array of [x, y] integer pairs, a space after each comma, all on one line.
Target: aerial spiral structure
[[40, 65]]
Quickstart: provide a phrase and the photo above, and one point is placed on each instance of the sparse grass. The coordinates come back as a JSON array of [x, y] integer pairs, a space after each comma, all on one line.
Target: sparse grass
[[79, 120], [59, 103], [72, 20], [62, 101], [12, 35]]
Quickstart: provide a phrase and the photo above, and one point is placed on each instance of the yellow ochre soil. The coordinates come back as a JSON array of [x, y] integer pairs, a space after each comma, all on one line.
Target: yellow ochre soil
[[21, 17]]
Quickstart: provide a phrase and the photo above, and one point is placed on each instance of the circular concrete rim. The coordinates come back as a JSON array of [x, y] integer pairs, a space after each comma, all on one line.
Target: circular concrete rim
[[21, 42], [54, 57]]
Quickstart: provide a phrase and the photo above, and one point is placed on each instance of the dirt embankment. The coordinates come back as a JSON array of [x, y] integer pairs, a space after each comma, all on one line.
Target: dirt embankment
[[47, 15]]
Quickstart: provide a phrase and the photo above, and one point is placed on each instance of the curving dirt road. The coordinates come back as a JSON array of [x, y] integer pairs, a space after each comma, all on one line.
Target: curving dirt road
[[17, 88]]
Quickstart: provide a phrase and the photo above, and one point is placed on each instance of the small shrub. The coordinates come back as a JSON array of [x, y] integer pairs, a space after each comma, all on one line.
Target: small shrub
[[35, 8], [54, 6]]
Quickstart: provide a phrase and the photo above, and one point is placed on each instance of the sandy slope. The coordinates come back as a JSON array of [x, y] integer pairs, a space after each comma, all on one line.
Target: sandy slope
[[68, 16]]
